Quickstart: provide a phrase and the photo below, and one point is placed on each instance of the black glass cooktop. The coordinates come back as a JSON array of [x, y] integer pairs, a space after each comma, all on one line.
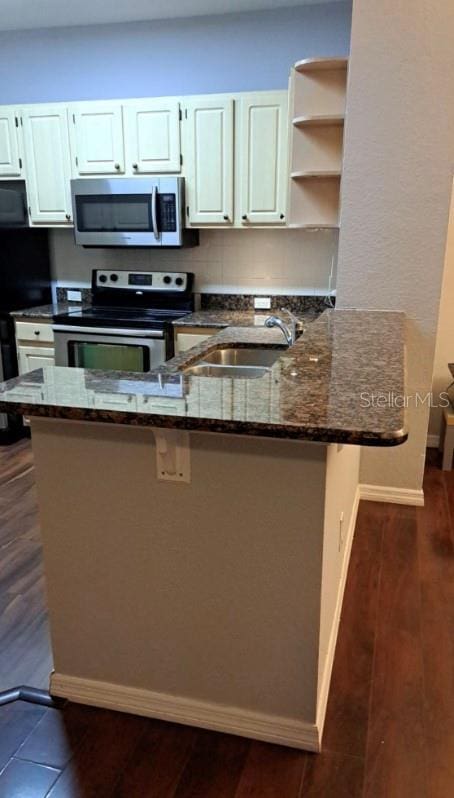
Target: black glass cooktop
[[119, 317]]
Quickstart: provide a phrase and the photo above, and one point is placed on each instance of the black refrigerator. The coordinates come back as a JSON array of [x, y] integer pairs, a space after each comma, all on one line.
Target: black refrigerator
[[24, 282]]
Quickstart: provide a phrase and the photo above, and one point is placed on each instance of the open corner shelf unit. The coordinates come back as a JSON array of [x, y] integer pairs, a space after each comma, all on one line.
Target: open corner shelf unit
[[317, 111]]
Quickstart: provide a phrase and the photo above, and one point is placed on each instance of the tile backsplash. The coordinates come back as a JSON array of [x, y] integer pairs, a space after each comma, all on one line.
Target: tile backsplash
[[226, 261]]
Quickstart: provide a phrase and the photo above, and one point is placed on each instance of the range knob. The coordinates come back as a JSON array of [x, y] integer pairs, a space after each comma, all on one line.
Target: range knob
[[179, 281], [102, 278], [114, 278], [167, 279]]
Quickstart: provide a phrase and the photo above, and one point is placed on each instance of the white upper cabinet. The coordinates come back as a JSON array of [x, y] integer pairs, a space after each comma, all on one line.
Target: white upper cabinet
[[48, 164], [10, 162], [152, 136], [262, 158], [208, 160], [97, 138], [232, 151]]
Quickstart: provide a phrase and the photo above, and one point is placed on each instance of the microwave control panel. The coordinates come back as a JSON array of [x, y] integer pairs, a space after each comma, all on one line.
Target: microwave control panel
[[167, 212]]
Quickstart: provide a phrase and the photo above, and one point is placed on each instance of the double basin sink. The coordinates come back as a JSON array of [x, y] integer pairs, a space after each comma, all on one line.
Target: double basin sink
[[241, 362]]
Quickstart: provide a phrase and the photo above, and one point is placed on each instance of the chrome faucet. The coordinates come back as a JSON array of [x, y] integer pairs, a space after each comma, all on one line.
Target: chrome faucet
[[289, 331]]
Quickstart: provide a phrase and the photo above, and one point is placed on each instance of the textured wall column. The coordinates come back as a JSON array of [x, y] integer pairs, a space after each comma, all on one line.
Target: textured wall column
[[444, 351], [399, 156]]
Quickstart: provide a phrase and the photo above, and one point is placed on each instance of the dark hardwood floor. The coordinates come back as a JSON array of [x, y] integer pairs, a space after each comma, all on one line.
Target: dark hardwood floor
[[390, 722], [24, 641]]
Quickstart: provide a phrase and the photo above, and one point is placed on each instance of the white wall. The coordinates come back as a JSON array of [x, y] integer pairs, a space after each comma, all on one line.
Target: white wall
[[399, 153], [444, 352], [184, 591], [230, 261]]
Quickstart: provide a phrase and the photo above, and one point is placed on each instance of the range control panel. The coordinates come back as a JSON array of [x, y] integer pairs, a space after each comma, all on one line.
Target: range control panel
[[142, 281]]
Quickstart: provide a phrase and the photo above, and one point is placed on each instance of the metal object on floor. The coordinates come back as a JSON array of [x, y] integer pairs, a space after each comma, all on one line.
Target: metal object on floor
[[447, 437], [30, 694]]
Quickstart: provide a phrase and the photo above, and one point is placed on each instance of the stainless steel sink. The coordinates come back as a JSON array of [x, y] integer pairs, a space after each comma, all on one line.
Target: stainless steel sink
[[238, 372], [253, 356], [240, 362]]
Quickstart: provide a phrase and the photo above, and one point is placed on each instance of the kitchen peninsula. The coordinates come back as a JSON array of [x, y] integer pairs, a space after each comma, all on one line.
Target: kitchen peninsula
[[197, 530]]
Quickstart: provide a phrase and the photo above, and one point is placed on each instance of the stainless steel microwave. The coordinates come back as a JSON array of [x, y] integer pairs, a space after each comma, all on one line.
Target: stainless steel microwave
[[136, 212]]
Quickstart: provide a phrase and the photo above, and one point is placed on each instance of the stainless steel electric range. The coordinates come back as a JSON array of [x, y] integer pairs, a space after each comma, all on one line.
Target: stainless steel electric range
[[129, 325]]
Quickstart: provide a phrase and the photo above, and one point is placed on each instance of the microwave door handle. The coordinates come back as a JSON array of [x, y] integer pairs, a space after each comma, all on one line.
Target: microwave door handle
[[154, 219]]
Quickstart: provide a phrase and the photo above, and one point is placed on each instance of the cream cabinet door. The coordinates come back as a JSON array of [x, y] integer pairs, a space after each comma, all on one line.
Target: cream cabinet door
[[97, 138], [35, 357], [48, 162], [152, 136], [10, 163], [185, 341], [208, 161], [262, 162]]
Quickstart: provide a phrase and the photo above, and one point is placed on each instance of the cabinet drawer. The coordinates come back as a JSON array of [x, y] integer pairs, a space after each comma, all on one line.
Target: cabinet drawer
[[108, 401], [27, 331]]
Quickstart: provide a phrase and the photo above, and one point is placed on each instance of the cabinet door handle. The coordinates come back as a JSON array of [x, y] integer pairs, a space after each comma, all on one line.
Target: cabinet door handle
[[68, 216], [225, 217], [244, 216], [37, 332], [282, 216], [134, 166], [117, 166]]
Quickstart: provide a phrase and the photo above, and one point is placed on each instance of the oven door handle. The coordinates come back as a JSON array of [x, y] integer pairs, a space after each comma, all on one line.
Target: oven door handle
[[154, 218], [94, 331]]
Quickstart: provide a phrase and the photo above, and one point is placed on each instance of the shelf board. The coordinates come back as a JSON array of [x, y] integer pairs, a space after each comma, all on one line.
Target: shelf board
[[317, 64], [314, 121], [313, 226], [307, 174]]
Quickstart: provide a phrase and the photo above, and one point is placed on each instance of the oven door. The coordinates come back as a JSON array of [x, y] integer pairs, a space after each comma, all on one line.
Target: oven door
[[109, 349]]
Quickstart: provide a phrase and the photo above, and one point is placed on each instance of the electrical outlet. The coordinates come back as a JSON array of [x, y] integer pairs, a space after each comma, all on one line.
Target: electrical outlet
[[262, 303], [74, 296]]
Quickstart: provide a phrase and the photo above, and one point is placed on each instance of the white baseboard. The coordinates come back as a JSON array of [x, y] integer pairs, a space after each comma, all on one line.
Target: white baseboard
[[327, 671], [177, 709], [433, 441], [385, 493]]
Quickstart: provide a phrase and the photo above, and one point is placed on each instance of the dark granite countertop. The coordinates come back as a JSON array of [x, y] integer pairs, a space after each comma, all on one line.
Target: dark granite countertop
[[233, 318], [44, 311], [343, 381]]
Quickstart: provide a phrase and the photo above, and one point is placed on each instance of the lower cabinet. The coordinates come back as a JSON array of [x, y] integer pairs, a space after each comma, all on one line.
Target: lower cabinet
[[35, 345], [186, 340], [35, 357]]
